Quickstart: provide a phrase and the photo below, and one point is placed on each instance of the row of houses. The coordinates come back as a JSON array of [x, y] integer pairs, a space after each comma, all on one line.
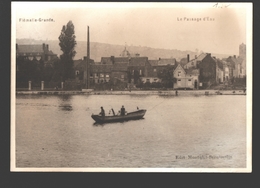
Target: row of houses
[[200, 72]]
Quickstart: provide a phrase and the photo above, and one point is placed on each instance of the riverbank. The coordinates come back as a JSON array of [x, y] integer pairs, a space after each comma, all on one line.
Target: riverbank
[[166, 93]]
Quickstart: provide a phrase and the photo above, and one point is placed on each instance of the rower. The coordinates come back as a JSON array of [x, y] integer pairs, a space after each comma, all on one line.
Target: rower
[[123, 111], [102, 113]]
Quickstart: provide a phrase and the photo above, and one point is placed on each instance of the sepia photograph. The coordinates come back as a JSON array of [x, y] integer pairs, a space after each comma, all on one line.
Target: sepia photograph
[[131, 87]]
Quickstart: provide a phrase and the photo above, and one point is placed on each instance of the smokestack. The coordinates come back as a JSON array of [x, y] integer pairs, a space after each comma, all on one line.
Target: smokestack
[[113, 59], [88, 50], [188, 57], [88, 61]]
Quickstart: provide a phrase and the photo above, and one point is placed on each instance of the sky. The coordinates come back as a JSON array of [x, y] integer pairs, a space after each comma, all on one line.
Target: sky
[[215, 28]]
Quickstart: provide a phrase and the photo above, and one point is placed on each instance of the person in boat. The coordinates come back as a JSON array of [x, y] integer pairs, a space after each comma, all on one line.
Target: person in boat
[[123, 111], [102, 113]]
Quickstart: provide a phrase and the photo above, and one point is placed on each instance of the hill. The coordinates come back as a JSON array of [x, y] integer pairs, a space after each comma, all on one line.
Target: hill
[[98, 50]]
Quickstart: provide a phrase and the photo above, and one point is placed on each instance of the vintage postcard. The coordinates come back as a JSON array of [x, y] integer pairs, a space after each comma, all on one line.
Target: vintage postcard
[[131, 87]]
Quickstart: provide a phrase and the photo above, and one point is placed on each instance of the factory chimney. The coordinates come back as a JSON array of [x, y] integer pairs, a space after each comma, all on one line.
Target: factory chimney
[[88, 60]]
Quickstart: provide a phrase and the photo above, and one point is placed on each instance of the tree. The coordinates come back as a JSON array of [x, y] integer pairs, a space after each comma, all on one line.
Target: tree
[[67, 45], [167, 76]]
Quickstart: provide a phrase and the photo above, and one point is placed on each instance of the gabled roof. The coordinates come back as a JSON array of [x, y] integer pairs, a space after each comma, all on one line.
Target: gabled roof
[[101, 68], [30, 48], [201, 56], [138, 61], [119, 67], [179, 65]]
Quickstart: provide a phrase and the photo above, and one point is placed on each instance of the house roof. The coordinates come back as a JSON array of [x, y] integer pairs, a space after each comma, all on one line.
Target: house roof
[[153, 62], [51, 61], [231, 61], [138, 61], [108, 60], [184, 61], [201, 56], [100, 68], [167, 61], [219, 63], [119, 67], [79, 63], [51, 53], [192, 71], [30, 48], [121, 59], [178, 65]]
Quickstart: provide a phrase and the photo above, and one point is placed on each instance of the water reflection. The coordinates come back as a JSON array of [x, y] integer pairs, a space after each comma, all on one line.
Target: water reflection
[[117, 122], [66, 107], [98, 124], [65, 101], [65, 97]]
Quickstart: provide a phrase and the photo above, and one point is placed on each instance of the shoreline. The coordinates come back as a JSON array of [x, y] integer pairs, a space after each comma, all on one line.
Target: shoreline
[[134, 92]]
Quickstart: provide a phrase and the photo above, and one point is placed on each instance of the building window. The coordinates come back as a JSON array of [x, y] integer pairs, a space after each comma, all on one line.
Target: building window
[[77, 72], [179, 82], [189, 80], [147, 80], [140, 72], [101, 75]]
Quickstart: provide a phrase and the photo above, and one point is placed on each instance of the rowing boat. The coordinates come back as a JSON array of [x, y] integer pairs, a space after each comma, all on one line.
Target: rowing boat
[[118, 118]]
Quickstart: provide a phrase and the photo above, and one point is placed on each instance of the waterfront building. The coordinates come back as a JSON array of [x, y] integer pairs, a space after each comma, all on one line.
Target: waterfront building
[[156, 68], [219, 71], [186, 78], [207, 69], [236, 66], [35, 52]]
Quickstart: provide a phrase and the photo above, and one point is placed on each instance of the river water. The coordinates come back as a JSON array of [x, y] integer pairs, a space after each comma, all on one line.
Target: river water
[[176, 132]]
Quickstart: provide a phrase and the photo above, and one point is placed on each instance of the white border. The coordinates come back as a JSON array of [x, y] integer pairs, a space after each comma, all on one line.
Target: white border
[[249, 50]]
